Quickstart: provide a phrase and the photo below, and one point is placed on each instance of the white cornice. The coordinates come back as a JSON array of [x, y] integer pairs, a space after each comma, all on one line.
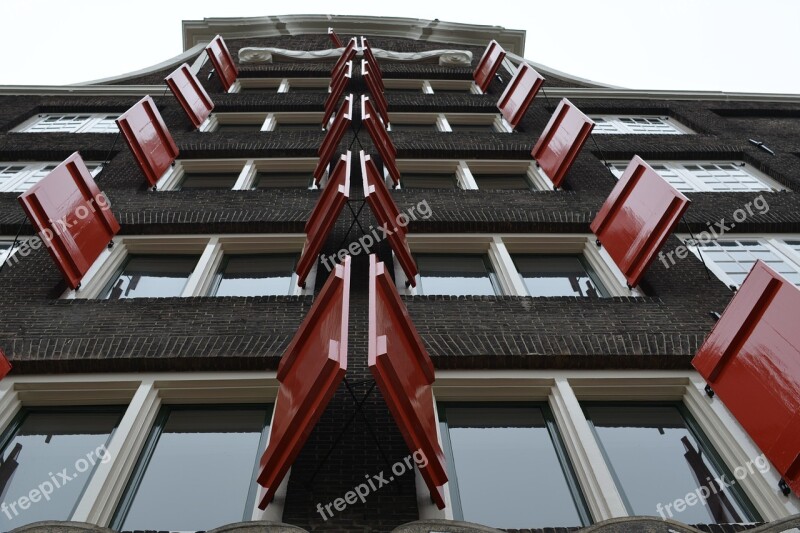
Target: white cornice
[[200, 31]]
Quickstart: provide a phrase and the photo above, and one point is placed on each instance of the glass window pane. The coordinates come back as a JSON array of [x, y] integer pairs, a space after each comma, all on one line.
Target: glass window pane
[[507, 470], [473, 128], [255, 275], [410, 126], [294, 180], [298, 126], [47, 446], [502, 181], [415, 180], [237, 128], [456, 275], [152, 276], [200, 472], [656, 460], [209, 180], [556, 275]]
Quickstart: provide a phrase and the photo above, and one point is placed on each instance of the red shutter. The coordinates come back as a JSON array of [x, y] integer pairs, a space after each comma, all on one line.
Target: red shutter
[[72, 216], [636, 219], [375, 91], [309, 372], [342, 121], [380, 137], [323, 217], [751, 359], [404, 373], [334, 136], [223, 62], [388, 216], [337, 88], [561, 140], [337, 42], [487, 67], [190, 94], [348, 54], [5, 365], [148, 138], [373, 61], [519, 94]]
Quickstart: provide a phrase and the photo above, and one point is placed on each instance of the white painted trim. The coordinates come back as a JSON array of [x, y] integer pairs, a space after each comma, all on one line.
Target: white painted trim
[[506, 271], [89, 124]]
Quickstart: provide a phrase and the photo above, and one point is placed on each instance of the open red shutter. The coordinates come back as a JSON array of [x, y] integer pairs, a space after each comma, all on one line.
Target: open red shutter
[[337, 42], [404, 373], [487, 67], [380, 137], [5, 365], [223, 62], [388, 216], [519, 94], [333, 137], [72, 216], [348, 54], [637, 218], [323, 217], [561, 140], [373, 62], [148, 138], [751, 359], [191, 95], [309, 372], [338, 85], [375, 91]]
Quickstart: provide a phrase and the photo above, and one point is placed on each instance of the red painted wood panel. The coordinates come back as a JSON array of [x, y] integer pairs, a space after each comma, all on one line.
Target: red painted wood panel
[[561, 141], [147, 136], [223, 62], [380, 137], [191, 95], [519, 94], [488, 65]]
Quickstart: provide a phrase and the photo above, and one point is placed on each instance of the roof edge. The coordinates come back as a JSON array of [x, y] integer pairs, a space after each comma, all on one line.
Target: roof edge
[[198, 31]]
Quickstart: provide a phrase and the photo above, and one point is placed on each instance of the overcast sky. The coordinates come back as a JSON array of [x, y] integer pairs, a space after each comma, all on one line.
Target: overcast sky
[[731, 45]]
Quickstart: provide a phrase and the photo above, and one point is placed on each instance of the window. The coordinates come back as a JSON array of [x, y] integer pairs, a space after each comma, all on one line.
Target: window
[[255, 275], [448, 122], [731, 259], [703, 176], [151, 276], [212, 452], [239, 174], [5, 250], [186, 266], [512, 264], [39, 444], [557, 275], [606, 124], [21, 176], [78, 123], [456, 275], [415, 180], [502, 181], [656, 454], [281, 85], [253, 122], [508, 468], [209, 180]]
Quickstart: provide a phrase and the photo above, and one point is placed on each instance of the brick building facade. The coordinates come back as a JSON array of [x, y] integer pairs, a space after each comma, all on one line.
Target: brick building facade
[[569, 359]]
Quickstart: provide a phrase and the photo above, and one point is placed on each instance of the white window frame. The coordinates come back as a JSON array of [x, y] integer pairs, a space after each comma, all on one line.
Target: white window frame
[[210, 248], [267, 121], [443, 121], [499, 248], [775, 242], [247, 169], [677, 166], [32, 167], [88, 125], [620, 128], [143, 394], [564, 390], [466, 169]]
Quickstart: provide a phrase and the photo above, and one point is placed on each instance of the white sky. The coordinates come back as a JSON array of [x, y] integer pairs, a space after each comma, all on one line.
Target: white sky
[[731, 45]]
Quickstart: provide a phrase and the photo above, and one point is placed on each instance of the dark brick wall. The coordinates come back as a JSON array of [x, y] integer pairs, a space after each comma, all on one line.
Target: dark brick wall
[[42, 334]]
